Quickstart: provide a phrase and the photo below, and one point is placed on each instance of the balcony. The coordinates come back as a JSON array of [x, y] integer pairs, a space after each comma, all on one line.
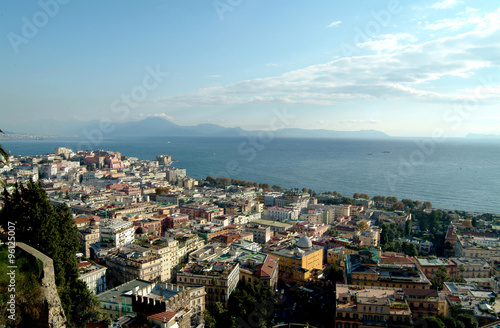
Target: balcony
[[374, 323]]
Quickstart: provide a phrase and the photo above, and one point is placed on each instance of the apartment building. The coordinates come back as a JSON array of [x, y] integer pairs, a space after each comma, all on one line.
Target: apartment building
[[220, 280], [116, 233], [127, 264], [94, 276]]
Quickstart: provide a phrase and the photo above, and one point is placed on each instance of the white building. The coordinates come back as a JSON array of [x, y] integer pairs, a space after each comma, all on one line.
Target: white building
[[117, 233], [94, 276], [283, 214]]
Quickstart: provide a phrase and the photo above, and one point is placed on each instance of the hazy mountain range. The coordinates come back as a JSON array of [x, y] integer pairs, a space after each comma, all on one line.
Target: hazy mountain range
[[156, 127]]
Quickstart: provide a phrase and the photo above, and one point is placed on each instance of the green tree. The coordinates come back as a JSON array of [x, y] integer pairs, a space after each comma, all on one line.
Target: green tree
[[468, 320], [277, 188], [52, 231], [251, 302], [433, 322], [363, 226]]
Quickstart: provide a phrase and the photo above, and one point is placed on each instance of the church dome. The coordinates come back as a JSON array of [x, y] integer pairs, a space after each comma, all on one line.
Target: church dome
[[304, 242]]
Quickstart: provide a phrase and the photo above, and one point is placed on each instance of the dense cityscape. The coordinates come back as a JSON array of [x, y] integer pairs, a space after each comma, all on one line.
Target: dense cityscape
[[156, 248]]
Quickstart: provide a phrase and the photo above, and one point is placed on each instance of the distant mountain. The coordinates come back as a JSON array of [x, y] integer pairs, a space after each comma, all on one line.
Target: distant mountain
[[160, 127], [156, 126], [482, 136]]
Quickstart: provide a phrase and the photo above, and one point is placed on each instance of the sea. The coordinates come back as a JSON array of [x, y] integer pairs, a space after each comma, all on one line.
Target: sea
[[456, 174]]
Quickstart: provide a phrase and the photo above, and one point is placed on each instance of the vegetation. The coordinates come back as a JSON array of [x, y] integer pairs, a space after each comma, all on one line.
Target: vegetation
[[52, 231], [250, 304], [442, 277], [29, 302], [461, 320], [334, 273]]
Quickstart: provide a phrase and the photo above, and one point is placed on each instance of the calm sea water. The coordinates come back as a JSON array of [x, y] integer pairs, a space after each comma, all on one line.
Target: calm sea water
[[458, 174]]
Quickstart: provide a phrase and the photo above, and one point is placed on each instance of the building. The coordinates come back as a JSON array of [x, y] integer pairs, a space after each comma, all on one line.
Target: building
[[276, 227], [283, 214], [164, 160], [117, 233], [220, 280], [88, 236], [370, 238], [261, 234], [400, 276], [472, 268], [117, 302], [168, 250], [298, 260], [477, 247], [186, 304], [208, 252], [127, 264], [426, 303], [430, 267], [265, 272], [94, 276], [360, 308]]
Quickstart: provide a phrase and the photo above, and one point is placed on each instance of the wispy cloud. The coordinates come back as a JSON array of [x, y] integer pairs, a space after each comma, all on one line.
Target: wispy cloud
[[388, 42], [406, 73], [446, 4], [213, 76], [335, 23]]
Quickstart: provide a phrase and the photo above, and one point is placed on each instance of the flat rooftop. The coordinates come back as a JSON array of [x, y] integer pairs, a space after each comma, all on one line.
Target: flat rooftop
[[123, 293], [271, 223]]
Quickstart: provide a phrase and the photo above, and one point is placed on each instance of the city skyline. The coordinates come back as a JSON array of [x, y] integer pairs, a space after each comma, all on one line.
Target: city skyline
[[403, 69]]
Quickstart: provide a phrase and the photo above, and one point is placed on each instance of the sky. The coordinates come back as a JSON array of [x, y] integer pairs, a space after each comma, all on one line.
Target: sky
[[406, 68]]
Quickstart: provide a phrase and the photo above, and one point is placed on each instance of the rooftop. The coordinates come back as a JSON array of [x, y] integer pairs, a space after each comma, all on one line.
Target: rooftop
[[123, 293]]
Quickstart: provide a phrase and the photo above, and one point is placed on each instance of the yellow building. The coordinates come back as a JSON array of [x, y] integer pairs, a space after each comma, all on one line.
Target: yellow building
[[297, 262]]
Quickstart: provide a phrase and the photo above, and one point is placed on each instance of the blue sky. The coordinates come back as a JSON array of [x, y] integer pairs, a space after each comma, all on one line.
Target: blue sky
[[406, 68]]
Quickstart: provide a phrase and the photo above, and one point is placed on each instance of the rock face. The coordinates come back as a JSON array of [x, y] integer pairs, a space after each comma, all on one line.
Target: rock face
[[53, 313]]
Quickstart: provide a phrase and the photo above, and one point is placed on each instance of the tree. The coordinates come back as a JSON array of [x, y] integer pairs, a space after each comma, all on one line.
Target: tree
[[210, 180], [264, 186], [432, 322], [347, 200], [468, 320], [252, 301], [277, 188], [355, 196], [397, 206], [334, 273], [363, 226], [52, 231], [427, 205]]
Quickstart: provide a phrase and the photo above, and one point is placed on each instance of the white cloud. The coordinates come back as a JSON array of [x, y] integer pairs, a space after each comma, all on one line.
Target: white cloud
[[446, 4], [162, 115], [213, 76], [387, 42], [407, 73], [335, 23]]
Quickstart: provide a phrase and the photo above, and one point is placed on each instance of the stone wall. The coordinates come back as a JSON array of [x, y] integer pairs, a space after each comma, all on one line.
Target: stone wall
[[53, 313]]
